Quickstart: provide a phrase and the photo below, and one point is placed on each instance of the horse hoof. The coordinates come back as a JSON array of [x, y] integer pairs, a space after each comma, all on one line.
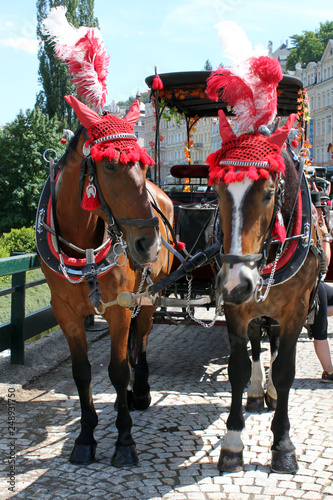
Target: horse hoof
[[270, 402], [255, 403], [83, 454], [284, 462], [125, 456], [141, 402], [230, 461]]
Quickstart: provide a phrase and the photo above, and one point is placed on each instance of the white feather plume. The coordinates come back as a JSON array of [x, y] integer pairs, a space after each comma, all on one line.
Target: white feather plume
[[83, 50], [237, 48], [249, 84]]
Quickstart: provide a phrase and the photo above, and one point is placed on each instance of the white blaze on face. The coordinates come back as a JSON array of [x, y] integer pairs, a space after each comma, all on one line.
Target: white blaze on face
[[238, 192]]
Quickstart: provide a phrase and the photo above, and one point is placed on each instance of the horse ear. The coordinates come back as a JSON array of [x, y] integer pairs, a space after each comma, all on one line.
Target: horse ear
[[133, 114], [279, 137], [226, 131], [87, 116]]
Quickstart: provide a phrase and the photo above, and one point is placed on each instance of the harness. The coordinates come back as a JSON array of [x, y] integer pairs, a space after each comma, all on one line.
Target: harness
[[290, 255], [88, 167]]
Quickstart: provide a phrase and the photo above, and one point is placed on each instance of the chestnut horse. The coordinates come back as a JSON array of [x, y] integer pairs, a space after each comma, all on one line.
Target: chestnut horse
[[247, 210], [125, 190]]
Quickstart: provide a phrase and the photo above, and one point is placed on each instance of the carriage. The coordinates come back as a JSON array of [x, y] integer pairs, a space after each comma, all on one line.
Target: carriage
[[106, 237], [195, 202]]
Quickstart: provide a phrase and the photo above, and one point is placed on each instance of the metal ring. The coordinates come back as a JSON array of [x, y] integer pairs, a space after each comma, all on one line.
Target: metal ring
[[304, 152], [45, 158]]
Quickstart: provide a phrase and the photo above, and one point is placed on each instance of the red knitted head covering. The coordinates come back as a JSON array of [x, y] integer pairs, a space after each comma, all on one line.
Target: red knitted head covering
[[253, 154], [250, 154], [111, 136]]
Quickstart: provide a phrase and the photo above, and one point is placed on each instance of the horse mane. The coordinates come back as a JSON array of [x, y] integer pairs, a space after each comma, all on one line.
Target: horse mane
[[291, 186]]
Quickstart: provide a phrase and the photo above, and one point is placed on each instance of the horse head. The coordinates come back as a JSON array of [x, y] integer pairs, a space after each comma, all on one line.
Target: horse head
[[114, 171], [248, 177]]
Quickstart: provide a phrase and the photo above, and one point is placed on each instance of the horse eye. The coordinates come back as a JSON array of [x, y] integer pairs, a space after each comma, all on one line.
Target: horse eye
[[110, 166], [269, 195]]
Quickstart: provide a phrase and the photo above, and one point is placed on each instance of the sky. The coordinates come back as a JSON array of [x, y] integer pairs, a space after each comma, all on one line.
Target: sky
[[173, 35]]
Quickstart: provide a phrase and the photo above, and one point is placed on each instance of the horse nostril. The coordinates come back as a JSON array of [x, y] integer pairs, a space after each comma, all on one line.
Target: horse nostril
[[247, 285], [142, 245]]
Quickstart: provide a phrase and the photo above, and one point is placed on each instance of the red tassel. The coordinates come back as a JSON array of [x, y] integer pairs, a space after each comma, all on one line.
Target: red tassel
[[157, 83], [279, 229], [179, 245], [90, 199]]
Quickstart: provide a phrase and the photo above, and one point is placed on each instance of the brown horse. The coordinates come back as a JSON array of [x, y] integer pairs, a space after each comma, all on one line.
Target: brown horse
[[252, 284], [127, 206]]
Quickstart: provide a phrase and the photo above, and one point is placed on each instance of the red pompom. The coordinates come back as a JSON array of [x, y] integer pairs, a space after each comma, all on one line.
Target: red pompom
[[157, 83], [267, 68], [63, 140], [230, 176], [179, 245], [294, 143]]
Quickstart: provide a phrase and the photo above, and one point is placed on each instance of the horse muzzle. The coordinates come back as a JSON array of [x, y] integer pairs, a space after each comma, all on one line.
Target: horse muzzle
[[238, 277], [144, 249]]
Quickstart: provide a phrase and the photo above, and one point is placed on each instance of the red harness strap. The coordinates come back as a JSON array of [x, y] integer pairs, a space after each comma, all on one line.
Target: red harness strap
[[292, 245]]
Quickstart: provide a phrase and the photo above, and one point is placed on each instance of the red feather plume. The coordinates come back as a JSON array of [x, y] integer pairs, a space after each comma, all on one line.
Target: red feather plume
[[84, 53]]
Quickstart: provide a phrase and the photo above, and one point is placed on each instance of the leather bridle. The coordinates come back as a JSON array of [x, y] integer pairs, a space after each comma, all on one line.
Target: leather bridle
[[88, 167], [259, 259]]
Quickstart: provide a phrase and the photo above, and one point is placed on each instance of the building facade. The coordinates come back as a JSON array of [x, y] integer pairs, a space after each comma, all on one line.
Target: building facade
[[318, 79], [173, 136]]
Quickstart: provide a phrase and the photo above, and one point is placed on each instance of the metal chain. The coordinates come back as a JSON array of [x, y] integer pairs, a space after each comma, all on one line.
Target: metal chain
[[189, 280], [137, 309], [64, 271], [257, 296]]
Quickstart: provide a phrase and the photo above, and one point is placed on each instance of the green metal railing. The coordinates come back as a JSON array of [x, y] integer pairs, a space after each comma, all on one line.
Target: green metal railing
[[22, 327]]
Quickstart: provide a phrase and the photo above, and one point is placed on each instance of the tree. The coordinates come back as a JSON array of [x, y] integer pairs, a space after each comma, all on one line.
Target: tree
[[53, 74], [310, 46], [23, 170], [207, 66], [126, 104], [325, 32]]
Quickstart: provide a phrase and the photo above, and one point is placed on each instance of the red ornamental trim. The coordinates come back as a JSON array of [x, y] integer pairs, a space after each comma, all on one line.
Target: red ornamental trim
[[234, 171], [114, 137], [235, 163]]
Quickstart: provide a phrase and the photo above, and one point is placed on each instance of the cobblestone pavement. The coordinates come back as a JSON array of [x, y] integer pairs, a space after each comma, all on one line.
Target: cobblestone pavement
[[178, 437]]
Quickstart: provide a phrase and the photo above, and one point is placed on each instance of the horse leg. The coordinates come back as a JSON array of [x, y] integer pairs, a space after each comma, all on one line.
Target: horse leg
[[255, 394], [140, 330], [273, 331], [231, 455], [73, 327], [283, 373], [119, 372]]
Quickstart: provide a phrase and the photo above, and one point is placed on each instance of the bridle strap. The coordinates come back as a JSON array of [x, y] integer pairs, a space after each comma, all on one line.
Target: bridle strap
[[114, 224], [153, 222], [260, 258], [232, 259]]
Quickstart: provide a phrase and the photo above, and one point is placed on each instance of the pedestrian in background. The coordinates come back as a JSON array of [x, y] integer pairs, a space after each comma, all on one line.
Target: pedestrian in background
[[318, 330]]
